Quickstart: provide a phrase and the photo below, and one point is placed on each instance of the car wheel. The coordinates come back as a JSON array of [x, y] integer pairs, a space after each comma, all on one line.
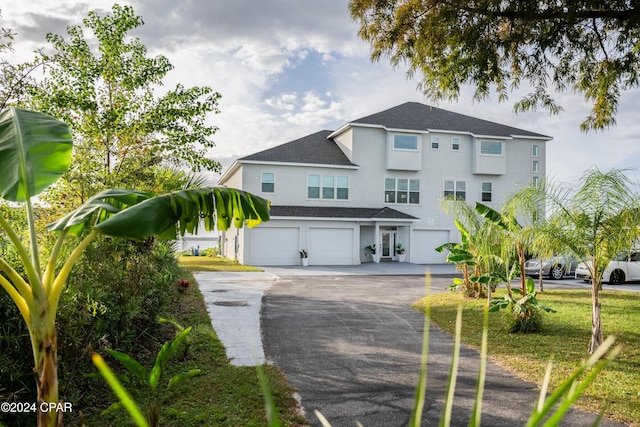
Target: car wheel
[[556, 272], [617, 277]]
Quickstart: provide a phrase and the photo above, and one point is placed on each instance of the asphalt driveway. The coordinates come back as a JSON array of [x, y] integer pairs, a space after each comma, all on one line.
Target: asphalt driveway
[[352, 344]]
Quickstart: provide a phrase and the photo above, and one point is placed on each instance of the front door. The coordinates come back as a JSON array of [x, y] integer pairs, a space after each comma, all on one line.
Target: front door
[[388, 240]]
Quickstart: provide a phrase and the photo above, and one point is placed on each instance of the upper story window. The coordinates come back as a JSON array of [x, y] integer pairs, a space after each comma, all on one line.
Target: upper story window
[[456, 190], [487, 191], [536, 180], [535, 166], [535, 150], [402, 190], [435, 144], [491, 148], [455, 144], [328, 187], [268, 182], [405, 142]]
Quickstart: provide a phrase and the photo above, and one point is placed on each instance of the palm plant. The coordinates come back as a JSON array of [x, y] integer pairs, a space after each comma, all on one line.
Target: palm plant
[[35, 151], [595, 223]]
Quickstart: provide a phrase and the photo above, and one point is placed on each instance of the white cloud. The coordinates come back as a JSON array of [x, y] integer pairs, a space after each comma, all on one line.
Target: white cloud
[[287, 68]]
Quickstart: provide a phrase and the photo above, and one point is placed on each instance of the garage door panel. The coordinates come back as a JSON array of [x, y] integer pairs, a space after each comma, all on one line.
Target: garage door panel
[[275, 246], [331, 246], [423, 244]]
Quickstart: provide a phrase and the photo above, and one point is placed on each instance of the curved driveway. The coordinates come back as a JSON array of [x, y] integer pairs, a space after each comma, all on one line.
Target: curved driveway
[[351, 345]]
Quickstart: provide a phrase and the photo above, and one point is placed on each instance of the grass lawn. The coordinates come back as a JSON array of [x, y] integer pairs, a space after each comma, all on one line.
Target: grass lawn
[[564, 340], [207, 263], [223, 394]]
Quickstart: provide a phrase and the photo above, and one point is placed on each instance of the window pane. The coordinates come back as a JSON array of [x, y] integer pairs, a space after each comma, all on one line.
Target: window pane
[[535, 150], [486, 197], [343, 193], [461, 186], [389, 184], [314, 180], [403, 185], [268, 187], [389, 196], [343, 181], [414, 197], [449, 186], [327, 180], [414, 185], [403, 197], [327, 192], [461, 195], [405, 142], [448, 194], [313, 192], [434, 143], [267, 177], [491, 147], [536, 166], [486, 186]]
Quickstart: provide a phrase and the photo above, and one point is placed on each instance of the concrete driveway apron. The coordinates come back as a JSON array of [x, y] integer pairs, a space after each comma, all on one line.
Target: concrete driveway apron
[[351, 345]]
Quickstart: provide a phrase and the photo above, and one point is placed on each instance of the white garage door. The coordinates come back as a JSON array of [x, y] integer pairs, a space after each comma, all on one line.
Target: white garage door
[[330, 246], [275, 246], [423, 244]]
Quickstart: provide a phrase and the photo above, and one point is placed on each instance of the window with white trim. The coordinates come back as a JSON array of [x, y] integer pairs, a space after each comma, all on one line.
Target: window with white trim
[[536, 180], [268, 182], [491, 148], [435, 144], [535, 150], [328, 187], [487, 192], [535, 166], [402, 190], [405, 142], [456, 190], [455, 144]]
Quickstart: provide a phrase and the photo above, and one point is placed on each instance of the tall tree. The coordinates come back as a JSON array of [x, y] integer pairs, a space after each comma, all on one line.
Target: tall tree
[[589, 46], [107, 91]]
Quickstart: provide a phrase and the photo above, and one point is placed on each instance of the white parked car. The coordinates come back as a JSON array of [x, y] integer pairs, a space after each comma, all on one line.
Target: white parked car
[[555, 267], [625, 267]]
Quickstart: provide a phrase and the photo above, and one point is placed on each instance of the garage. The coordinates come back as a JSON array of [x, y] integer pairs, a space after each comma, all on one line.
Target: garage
[[275, 246], [330, 246], [423, 244]]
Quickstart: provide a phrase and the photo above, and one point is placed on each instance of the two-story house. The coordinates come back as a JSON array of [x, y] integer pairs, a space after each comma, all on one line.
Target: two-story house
[[377, 181]]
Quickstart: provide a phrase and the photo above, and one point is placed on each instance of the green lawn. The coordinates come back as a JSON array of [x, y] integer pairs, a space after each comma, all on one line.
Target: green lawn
[[207, 263], [564, 340]]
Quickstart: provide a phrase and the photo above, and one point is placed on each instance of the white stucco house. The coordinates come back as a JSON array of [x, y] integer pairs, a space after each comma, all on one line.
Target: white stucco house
[[377, 180]]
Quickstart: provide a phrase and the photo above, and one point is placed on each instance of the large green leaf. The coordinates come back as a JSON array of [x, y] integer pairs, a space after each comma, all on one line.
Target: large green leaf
[[102, 206], [35, 150], [159, 215]]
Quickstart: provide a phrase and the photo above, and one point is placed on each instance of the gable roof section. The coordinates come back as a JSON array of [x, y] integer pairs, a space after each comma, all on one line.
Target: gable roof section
[[421, 117], [311, 149], [338, 212]]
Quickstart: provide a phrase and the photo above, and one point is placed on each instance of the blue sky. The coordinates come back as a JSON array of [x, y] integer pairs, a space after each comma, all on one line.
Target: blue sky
[[288, 68]]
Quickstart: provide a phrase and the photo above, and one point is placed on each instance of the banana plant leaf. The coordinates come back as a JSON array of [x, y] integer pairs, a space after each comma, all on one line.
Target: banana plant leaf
[[35, 150], [137, 215], [502, 221]]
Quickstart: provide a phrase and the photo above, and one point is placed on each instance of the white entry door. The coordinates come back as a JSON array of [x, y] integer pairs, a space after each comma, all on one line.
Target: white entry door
[[388, 244]]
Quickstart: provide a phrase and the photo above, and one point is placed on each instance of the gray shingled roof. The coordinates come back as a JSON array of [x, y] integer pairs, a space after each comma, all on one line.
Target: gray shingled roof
[[313, 149], [338, 212], [416, 116]]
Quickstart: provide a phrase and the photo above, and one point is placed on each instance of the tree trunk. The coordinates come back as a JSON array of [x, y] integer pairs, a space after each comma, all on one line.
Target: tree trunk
[[596, 321], [523, 284], [541, 280], [46, 370]]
